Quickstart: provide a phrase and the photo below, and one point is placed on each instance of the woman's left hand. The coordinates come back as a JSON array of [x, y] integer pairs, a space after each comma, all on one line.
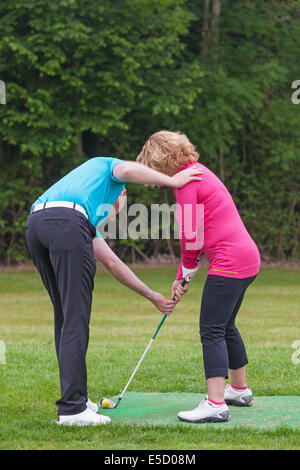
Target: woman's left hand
[[186, 176], [178, 290]]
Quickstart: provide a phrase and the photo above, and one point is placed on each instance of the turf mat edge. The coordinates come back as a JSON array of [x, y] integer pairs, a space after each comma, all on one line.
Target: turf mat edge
[[162, 408]]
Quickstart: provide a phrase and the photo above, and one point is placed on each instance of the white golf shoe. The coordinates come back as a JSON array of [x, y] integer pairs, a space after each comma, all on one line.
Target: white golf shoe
[[206, 412], [236, 397], [85, 418], [92, 406]]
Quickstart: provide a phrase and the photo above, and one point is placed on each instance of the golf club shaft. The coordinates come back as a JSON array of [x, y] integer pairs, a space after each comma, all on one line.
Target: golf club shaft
[[133, 373], [145, 352]]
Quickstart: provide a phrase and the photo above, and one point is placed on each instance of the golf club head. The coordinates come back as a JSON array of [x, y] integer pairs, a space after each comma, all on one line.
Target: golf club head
[[111, 403]]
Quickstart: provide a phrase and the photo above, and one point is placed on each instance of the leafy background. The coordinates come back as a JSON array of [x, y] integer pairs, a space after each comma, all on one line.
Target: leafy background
[[97, 77]]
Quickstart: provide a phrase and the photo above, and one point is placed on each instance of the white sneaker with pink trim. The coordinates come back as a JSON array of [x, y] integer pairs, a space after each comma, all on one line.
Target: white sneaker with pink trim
[[238, 397], [206, 412]]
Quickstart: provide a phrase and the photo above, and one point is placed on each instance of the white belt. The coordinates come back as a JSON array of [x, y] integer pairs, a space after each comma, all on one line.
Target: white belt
[[69, 205]]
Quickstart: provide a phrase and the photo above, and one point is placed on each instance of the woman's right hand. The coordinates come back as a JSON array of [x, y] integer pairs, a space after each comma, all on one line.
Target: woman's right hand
[[186, 176], [162, 304]]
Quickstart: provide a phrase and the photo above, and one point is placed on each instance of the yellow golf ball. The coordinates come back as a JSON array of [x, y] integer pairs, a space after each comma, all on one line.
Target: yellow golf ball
[[105, 403]]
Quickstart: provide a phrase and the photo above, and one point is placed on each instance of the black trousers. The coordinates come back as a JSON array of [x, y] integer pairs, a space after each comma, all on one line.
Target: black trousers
[[60, 243], [222, 345]]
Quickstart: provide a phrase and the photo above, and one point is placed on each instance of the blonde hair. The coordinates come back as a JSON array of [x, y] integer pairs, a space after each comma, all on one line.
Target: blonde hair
[[168, 152]]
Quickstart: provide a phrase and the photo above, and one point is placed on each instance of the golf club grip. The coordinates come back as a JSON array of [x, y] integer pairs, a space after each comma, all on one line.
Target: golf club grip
[[183, 283]]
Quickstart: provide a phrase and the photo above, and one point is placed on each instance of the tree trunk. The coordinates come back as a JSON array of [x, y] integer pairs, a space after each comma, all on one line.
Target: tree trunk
[[123, 252], [141, 253], [216, 11], [16, 215], [132, 255], [205, 28], [210, 30], [296, 241], [79, 146], [157, 244]]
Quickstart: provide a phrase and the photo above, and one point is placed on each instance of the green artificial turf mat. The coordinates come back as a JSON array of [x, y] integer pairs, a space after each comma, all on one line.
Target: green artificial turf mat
[[162, 408]]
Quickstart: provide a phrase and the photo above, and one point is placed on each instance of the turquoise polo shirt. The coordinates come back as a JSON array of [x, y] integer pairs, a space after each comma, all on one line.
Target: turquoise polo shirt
[[91, 185]]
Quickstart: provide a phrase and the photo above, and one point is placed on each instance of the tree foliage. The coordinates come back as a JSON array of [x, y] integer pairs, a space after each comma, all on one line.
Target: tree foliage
[[88, 77]]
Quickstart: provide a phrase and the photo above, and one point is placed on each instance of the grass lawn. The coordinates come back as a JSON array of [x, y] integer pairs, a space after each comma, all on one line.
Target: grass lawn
[[121, 326]]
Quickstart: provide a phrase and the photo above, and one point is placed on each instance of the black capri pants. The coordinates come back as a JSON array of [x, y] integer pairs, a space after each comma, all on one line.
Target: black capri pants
[[60, 243], [222, 345]]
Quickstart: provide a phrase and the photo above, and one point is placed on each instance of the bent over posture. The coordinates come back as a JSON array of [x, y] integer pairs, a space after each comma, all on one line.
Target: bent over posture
[[63, 241]]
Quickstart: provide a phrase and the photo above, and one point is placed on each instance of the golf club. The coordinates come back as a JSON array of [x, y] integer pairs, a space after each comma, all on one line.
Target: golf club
[[107, 403]]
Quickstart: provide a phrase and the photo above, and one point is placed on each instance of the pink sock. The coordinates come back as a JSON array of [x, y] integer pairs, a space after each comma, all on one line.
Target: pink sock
[[212, 402], [238, 388]]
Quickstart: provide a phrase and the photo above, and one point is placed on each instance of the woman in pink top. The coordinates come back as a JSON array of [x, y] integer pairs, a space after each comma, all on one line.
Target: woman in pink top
[[210, 223]]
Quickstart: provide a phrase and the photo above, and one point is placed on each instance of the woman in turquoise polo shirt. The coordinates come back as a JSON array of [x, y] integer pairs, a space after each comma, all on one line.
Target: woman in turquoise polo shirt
[[63, 241]]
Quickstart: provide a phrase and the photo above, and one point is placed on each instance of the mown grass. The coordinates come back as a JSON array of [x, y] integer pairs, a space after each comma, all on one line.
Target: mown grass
[[122, 324]]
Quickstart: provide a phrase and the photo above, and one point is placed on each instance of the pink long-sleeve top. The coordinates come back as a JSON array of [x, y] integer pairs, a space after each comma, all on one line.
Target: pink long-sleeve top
[[209, 223]]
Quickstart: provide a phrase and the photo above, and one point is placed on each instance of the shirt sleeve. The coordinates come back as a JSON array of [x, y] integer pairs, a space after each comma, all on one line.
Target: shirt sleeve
[[179, 272], [115, 162], [98, 234], [189, 215]]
